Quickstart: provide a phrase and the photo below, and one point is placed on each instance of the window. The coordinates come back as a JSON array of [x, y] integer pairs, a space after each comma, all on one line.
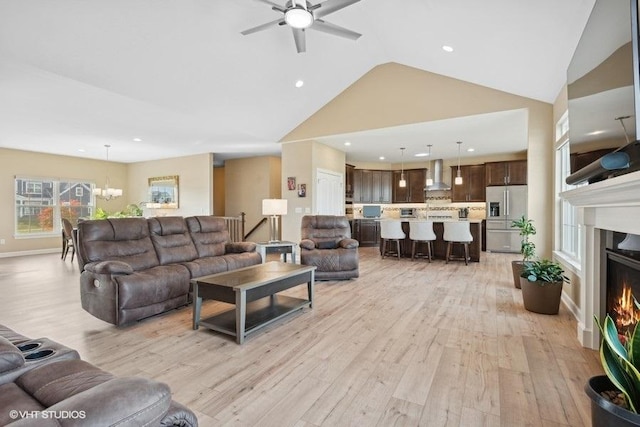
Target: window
[[569, 236], [41, 203]]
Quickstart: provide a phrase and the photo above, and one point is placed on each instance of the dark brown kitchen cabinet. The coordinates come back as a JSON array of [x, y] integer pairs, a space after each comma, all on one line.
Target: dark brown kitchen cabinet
[[414, 191], [473, 185], [506, 173], [348, 178], [371, 186], [366, 232]]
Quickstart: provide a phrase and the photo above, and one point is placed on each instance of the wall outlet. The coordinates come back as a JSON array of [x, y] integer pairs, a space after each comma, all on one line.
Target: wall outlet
[[298, 210], [2, 242], [307, 210]]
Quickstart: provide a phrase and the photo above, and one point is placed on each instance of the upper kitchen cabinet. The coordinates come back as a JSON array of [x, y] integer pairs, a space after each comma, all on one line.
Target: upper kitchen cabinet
[[414, 191], [371, 186], [348, 178], [473, 185], [506, 173]]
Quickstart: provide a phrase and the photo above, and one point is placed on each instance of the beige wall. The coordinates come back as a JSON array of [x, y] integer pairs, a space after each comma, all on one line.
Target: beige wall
[[247, 182], [17, 162], [195, 191], [393, 95], [302, 161]]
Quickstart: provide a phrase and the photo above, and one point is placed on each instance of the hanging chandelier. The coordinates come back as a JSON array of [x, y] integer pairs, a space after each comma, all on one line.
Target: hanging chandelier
[[106, 192], [458, 179], [403, 182]]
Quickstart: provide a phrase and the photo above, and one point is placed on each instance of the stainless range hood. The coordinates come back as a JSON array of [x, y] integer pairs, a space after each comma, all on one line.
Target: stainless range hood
[[438, 182]]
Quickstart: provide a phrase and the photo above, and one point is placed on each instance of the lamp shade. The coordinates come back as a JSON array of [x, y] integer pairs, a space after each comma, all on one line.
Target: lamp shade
[[274, 207]]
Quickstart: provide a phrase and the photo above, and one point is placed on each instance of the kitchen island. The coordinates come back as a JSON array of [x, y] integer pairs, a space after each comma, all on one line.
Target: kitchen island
[[439, 245]]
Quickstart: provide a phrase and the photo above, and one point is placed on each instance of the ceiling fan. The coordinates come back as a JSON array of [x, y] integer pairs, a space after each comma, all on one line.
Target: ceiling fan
[[300, 15]]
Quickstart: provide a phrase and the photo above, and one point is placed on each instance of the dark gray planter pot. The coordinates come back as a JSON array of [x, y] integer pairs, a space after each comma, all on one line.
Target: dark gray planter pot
[[603, 412], [518, 268], [541, 298]]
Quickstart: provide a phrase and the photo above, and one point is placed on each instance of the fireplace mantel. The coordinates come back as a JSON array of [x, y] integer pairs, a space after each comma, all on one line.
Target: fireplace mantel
[[613, 204], [620, 191]]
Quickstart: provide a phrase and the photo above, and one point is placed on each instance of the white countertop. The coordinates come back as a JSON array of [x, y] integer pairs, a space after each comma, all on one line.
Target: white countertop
[[470, 220]]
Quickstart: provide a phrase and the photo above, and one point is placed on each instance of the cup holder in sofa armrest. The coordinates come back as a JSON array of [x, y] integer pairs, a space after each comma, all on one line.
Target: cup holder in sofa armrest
[[28, 346], [39, 355]]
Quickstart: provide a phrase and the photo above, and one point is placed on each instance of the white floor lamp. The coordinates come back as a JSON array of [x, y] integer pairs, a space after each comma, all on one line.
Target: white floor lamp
[[274, 208]]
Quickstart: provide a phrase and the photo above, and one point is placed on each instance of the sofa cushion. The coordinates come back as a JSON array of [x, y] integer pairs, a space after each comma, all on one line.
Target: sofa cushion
[[10, 356], [209, 234], [54, 382], [171, 238], [118, 239], [154, 285], [236, 261], [326, 244]]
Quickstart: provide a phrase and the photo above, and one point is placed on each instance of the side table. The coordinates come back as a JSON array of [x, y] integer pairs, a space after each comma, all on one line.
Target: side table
[[282, 247]]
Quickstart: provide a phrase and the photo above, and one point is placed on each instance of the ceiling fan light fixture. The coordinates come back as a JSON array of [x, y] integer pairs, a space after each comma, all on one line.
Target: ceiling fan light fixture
[[298, 17]]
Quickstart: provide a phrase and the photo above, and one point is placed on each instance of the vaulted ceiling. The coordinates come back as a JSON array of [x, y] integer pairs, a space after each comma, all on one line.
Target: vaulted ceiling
[[178, 75]]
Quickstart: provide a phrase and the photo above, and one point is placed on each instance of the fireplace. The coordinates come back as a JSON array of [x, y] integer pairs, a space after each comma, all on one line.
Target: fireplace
[[605, 209], [623, 280]]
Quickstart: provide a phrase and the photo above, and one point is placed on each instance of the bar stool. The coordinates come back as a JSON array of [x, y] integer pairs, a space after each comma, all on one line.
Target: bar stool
[[391, 231], [421, 232], [458, 232]]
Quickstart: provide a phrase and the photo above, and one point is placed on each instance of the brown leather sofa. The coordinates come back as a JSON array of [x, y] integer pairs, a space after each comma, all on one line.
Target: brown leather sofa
[[59, 389], [133, 268], [327, 244]]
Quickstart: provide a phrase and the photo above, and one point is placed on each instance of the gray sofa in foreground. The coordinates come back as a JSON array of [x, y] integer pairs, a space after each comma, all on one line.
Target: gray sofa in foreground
[[43, 383], [133, 268]]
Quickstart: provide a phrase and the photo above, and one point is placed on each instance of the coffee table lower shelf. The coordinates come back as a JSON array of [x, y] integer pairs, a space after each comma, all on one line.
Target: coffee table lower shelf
[[259, 313]]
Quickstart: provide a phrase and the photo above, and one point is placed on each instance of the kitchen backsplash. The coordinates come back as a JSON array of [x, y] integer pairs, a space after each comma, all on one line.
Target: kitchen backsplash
[[435, 208]]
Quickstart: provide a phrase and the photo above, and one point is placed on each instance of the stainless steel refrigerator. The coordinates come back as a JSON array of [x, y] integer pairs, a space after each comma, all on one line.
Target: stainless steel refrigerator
[[505, 204]]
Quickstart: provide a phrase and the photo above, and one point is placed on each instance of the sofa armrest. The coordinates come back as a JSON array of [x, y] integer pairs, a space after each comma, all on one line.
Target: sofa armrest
[[11, 357], [179, 416], [239, 247], [109, 267], [307, 244], [348, 243], [130, 401]]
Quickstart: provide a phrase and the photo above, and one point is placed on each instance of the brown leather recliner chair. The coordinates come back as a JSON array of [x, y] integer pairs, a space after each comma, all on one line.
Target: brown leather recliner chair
[[327, 244]]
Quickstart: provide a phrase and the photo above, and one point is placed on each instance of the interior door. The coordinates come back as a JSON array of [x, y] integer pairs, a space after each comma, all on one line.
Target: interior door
[[329, 193]]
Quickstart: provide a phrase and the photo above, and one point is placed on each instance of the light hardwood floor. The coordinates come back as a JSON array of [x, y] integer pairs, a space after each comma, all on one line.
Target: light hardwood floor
[[406, 344]]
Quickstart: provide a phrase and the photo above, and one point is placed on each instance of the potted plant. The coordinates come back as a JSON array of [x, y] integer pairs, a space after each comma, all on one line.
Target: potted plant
[[615, 397], [527, 248], [541, 282]]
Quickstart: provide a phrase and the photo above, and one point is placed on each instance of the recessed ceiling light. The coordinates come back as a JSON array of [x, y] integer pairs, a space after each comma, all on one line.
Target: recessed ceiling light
[[347, 143], [137, 139], [299, 83], [82, 150], [470, 149], [381, 157], [447, 48], [421, 155]]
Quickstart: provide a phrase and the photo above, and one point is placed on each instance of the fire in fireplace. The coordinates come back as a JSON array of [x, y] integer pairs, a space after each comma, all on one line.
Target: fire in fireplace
[[623, 281]]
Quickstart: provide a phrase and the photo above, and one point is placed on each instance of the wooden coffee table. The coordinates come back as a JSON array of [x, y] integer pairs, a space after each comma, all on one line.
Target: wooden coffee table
[[253, 290]]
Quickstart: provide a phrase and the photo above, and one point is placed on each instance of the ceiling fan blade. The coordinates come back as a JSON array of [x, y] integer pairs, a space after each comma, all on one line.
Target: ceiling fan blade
[[330, 6], [326, 27], [300, 39], [273, 5], [262, 27]]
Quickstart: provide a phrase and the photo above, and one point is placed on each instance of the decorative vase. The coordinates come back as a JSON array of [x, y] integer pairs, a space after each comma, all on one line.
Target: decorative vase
[[541, 297], [603, 412], [517, 267]]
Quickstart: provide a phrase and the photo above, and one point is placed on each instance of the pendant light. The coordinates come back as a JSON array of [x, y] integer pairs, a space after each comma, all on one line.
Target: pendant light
[[107, 193], [458, 180], [403, 182], [429, 179]]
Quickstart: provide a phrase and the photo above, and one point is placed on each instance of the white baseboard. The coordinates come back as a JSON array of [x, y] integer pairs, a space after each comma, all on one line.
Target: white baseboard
[[33, 252]]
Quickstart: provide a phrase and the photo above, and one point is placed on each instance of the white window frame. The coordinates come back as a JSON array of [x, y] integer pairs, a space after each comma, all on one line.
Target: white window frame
[[55, 203], [568, 233]]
